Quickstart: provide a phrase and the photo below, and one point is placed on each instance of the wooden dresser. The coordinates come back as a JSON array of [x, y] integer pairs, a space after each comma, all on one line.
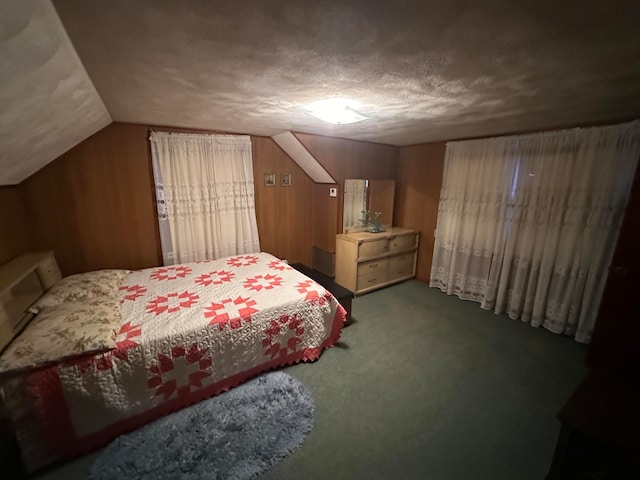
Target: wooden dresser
[[367, 261]]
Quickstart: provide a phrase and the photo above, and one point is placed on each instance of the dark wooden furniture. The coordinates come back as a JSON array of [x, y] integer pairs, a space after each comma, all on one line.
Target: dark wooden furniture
[[600, 433], [343, 295], [10, 464]]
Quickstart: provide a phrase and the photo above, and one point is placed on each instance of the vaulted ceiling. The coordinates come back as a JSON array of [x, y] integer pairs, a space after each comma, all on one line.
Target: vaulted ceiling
[[423, 70]]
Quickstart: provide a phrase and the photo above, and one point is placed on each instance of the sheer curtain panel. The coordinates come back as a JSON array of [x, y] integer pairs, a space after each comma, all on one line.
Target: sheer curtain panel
[[205, 196], [527, 225]]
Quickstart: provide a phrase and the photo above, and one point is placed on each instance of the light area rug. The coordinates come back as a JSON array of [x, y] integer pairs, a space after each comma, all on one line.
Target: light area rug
[[236, 435]]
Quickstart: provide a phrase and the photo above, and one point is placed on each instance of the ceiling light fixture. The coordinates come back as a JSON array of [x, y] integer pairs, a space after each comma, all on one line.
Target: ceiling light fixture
[[338, 111]]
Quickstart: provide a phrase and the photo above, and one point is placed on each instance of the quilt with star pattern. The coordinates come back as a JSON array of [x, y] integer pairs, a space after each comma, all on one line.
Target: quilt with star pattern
[[188, 332]]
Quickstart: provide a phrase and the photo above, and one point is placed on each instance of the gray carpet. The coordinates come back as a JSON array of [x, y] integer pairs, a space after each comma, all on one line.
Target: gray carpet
[[426, 386], [237, 436]]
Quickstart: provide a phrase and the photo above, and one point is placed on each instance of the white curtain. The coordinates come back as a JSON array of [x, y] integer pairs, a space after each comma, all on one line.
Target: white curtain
[[527, 225], [205, 196]]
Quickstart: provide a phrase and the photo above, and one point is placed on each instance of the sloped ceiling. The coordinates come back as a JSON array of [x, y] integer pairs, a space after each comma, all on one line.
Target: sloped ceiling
[[423, 70], [47, 101]]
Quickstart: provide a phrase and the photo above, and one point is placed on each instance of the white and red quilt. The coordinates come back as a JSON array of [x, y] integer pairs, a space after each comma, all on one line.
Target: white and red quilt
[[189, 332]]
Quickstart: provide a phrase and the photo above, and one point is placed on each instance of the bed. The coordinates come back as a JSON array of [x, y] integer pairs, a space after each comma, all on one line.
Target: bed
[[183, 333]]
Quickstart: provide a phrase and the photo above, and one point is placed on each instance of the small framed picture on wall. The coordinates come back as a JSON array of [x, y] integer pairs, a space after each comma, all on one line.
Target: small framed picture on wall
[[285, 179], [269, 179]]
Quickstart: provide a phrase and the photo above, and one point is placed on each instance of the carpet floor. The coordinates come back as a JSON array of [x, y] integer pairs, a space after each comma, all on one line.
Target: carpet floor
[[427, 386]]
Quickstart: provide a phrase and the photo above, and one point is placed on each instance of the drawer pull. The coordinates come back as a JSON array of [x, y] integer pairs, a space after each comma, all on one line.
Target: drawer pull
[[374, 265]]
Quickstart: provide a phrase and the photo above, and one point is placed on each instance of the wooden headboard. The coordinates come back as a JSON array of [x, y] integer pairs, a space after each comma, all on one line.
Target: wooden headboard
[[22, 281]]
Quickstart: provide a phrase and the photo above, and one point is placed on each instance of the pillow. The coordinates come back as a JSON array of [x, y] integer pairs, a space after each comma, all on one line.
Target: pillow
[[81, 287], [63, 331]]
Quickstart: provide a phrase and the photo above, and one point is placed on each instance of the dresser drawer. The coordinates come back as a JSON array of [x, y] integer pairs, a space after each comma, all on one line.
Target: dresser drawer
[[373, 249], [371, 279], [402, 242], [401, 265], [367, 268]]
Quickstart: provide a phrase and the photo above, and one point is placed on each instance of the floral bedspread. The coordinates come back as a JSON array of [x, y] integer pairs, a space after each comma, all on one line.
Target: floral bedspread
[[189, 332]]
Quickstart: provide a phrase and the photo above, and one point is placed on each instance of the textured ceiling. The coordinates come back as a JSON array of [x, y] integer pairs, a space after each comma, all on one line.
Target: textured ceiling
[[47, 102], [423, 70]]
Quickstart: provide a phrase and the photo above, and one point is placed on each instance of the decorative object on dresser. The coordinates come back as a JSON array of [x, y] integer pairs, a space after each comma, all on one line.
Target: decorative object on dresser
[[22, 281], [366, 261]]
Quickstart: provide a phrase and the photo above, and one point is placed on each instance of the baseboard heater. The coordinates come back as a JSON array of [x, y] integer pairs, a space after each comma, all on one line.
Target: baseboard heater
[[324, 261]]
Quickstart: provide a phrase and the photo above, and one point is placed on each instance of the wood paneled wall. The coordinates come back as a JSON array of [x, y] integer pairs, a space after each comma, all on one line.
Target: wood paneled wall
[[94, 206], [326, 210], [418, 185], [15, 232], [284, 214], [345, 159]]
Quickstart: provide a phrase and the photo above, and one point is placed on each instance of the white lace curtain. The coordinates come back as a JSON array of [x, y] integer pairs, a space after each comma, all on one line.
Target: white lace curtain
[[527, 225], [205, 195]]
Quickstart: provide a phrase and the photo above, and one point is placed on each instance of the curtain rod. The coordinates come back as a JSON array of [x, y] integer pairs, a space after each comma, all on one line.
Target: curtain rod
[[563, 131], [201, 132]]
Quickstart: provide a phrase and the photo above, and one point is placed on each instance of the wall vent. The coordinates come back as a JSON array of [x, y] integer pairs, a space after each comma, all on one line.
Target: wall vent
[[324, 261]]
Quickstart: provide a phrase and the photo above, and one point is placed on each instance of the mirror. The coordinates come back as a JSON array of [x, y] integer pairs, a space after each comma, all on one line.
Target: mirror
[[367, 195], [355, 201]]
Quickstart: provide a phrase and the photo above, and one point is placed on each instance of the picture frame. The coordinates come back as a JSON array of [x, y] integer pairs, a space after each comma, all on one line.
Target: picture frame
[[285, 179], [269, 179]]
